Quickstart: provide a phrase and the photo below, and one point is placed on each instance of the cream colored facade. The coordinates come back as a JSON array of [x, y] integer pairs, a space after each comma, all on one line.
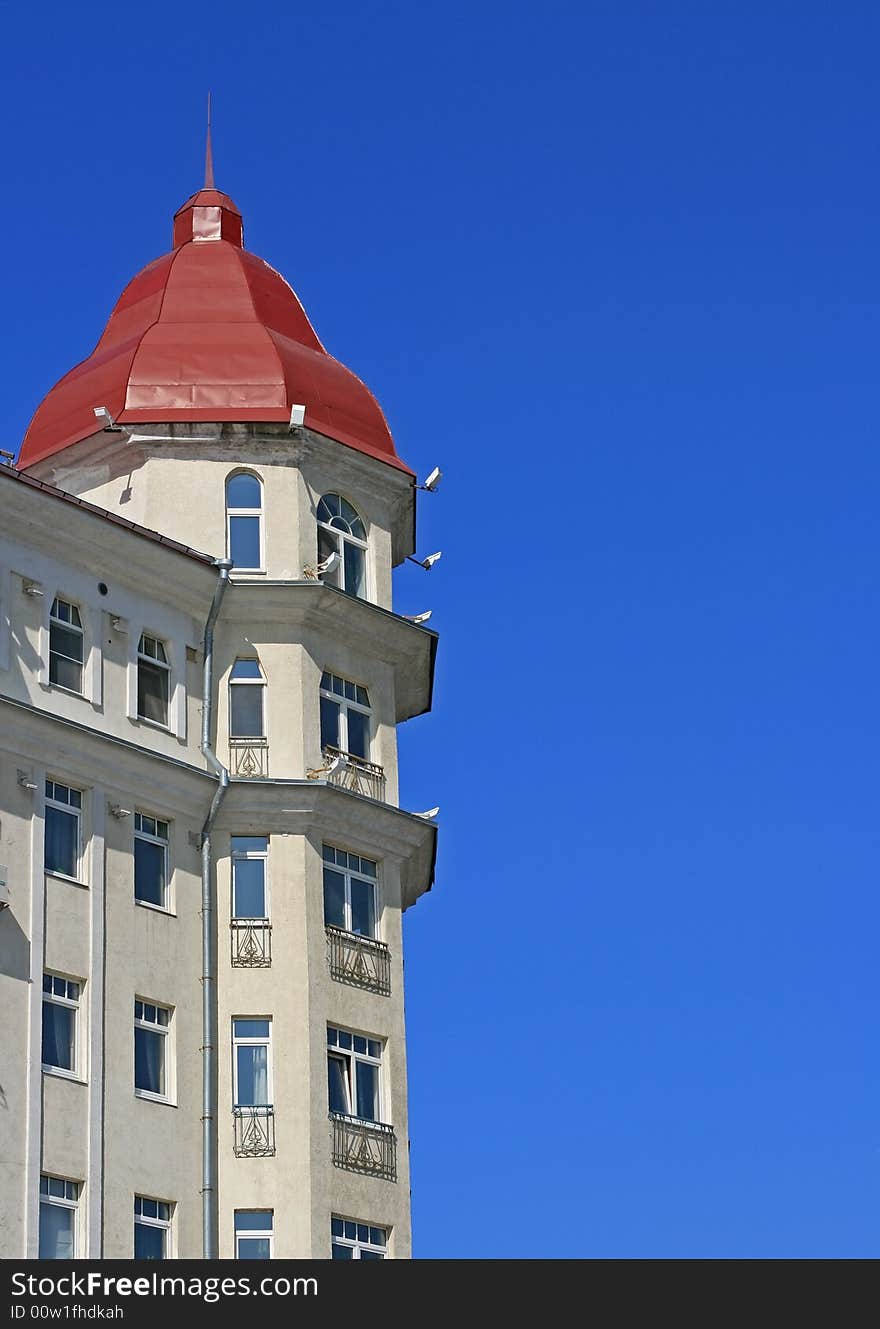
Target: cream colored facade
[[91, 1127]]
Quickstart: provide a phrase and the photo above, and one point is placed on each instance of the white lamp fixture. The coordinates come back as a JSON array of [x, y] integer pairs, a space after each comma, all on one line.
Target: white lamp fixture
[[427, 563], [418, 618], [25, 781], [429, 815], [297, 418], [433, 481], [107, 422]]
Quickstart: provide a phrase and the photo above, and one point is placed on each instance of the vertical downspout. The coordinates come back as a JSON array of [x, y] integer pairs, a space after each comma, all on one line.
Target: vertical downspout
[[209, 976]]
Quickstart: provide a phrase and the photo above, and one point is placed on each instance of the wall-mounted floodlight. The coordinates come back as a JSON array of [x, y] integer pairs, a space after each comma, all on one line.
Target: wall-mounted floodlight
[[25, 781], [297, 417], [426, 563], [119, 812], [120, 624], [429, 815], [418, 618], [108, 424], [33, 588], [433, 481]]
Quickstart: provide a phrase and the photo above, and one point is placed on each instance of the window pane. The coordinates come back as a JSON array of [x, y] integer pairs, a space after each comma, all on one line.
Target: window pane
[[149, 1242], [56, 1232], [66, 641], [363, 908], [253, 1076], [246, 710], [149, 872], [371, 1255], [334, 898], [377, 1236], [243, 491], [251, 1028], [342, 1252], [65, 673], [249, 888], [253, 1248], [149, 1061], [152, 692], [329, 723], [244, 542], [58, 1032], [244, 844], [253, 1220], [358, 733], [367, 1091], [337, 1087], [62, 836], [246, 669], [354, 568]]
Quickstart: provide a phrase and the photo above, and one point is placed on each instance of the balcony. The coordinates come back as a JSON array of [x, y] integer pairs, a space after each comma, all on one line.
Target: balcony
[[253, 1131], [250, 943], [249, 757], [354, 773], [369, 1147], [360, 961]]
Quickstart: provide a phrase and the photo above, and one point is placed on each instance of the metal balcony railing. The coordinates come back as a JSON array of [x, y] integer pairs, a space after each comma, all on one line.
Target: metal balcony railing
[[364, 1146], [355, 773], [251, 943], [249, 757], [253, 1131], [360, 961]]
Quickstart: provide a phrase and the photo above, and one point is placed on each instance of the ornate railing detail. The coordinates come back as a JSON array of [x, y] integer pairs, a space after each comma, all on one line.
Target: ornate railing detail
[[254, 1131], [249, 757], [364, 1146], [251, 942], [350, 772], [360, 961]]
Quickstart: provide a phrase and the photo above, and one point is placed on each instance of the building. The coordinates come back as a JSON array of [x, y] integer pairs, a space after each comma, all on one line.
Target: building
[[205, 865]]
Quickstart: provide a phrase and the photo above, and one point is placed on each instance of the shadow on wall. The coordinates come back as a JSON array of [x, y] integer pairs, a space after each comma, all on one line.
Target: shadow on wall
[[15, 949]]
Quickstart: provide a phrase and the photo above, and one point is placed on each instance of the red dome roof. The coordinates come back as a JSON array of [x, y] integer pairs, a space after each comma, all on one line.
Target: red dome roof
[[209, 332]]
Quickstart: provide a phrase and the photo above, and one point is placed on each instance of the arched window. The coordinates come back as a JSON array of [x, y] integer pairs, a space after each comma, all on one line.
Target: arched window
[[246, 709], [341, 531], [244, 521]]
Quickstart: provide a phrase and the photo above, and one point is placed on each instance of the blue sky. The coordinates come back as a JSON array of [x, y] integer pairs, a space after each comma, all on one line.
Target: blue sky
[[614, 267]]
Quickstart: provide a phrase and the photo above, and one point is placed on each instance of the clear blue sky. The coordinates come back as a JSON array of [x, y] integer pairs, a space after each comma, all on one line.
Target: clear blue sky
[[615, 267]]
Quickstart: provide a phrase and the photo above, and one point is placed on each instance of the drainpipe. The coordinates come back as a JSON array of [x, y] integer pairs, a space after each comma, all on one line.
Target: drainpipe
[[209, 975]]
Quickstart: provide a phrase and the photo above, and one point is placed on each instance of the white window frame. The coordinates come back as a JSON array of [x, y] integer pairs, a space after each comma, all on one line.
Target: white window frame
[[336, 576], [166, 1225], [164, 842], [345, 703], [55, 998], [72, 809], [245, 856], [155, 1027], [155, 662], [355, 1244], [77, 627], [245, 512], [63, 1202], [244, 739], [350, 1056], [253, 1041], [341, 862], [249, 1234]]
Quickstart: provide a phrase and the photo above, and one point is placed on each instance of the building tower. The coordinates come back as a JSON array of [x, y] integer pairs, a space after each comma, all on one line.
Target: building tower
[[206, 864]]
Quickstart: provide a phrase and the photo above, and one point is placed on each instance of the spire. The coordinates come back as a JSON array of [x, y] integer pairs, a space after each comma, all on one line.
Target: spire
[[209, 160]]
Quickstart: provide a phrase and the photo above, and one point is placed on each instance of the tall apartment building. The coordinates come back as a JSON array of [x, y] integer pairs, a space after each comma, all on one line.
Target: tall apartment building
[[205, 865]]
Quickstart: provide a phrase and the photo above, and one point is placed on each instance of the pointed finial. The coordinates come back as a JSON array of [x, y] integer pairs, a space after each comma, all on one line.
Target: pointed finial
[[209, 160]]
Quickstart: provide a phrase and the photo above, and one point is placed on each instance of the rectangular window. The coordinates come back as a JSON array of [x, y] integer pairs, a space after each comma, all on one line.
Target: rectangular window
[[151, 1025], [345, 716], [63, 835], [357, 1241], [150, 860], [153, 680], [60, 1011], [65, 645], [253, 1234], [152, 1228], [58, 1204], [349, 892], [252, 1061], [246, 687], [249, 859], [354, 1065]]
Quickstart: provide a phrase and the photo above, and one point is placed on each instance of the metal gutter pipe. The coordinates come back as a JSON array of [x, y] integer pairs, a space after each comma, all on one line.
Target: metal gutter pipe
[[209, 973]]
